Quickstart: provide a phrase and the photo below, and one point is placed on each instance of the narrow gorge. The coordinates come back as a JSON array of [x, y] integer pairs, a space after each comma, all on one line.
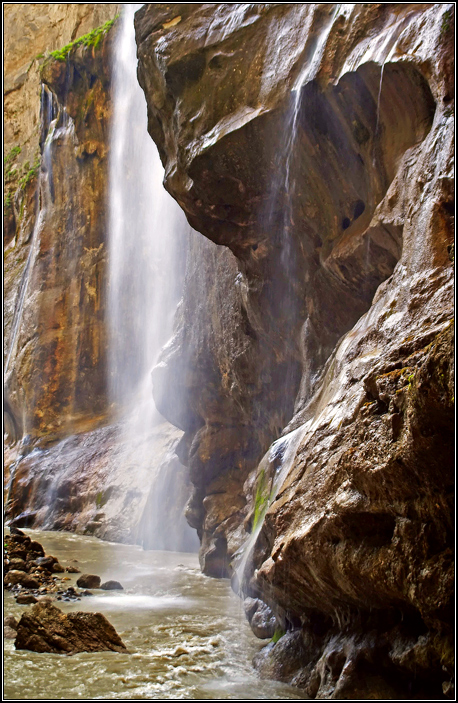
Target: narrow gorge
[[254, 360]]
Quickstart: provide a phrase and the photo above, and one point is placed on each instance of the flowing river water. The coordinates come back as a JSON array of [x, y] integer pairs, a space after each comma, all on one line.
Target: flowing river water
[[186, 635]]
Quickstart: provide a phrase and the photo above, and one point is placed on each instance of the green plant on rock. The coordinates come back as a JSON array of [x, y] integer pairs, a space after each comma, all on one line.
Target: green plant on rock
[[92, 38], [15, 151], [31, 173], [101, 498], [262, 499], [278, 634], [446, 17]]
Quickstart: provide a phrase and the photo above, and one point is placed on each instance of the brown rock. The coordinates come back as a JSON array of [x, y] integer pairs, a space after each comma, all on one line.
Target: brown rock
[[44, 628], [46, 563], [26, 599], [89, 581], [72, 570], [36, 548], [10, 621], [57, 568], [15, 576], [17, 564]]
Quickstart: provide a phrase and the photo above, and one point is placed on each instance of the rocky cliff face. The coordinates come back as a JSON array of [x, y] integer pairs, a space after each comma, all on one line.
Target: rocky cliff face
[[316, 144], [57, 116]]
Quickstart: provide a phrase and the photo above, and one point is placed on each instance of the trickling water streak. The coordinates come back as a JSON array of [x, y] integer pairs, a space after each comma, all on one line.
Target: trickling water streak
[[378, 101], [22, 294], [50, 131]]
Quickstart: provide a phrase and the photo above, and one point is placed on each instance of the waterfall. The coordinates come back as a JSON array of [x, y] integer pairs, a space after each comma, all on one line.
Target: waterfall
[[147, 231]]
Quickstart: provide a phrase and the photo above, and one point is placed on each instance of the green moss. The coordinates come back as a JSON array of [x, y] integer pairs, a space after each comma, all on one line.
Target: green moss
[[446, 17], [102, 498], [92, 38], [31, 173], [260, 500], [15, 151], [278, 634]]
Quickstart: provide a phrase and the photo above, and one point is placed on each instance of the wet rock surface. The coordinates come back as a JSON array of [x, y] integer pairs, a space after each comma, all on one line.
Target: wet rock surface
[[111, 586], [45, 628], [326, 168], [89, 581], [37, 579], [261, 618], [99, 490]]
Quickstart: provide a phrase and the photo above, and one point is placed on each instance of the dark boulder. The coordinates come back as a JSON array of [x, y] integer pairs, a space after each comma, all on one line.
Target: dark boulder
[[111, 586]]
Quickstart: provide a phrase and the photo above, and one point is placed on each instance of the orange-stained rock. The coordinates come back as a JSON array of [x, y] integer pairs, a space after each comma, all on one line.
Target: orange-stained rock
[[55, 362]]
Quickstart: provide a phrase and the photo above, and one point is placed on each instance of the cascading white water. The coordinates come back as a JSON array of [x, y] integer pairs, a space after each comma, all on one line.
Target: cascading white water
[[145, 229], [147, 234]]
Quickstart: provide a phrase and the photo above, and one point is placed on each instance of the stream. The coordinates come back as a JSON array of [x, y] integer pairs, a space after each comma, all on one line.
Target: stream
[[186, 633]]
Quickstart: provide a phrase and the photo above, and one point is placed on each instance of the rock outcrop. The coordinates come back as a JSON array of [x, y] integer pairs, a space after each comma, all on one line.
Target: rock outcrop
[[89, 484], [45, 628], [316, 144]]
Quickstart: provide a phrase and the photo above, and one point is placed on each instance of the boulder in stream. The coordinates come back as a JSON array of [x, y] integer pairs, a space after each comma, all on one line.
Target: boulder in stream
[[26, 599], [89, 581], [15, 577], [111, 586], [9, 627], [45, 628]]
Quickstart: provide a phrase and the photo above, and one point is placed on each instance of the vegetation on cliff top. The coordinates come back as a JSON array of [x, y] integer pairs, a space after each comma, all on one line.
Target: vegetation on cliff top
[[92, 38]]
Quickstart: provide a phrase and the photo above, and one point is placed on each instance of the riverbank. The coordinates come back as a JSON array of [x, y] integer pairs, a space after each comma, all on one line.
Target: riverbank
[[186, 633]]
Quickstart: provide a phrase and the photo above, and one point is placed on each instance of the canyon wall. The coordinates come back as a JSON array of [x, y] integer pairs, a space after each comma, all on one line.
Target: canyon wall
[[314, 347], [54, 216]]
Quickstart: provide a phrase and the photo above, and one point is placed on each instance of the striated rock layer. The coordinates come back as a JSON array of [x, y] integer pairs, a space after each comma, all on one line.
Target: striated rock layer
[[315, 142]]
